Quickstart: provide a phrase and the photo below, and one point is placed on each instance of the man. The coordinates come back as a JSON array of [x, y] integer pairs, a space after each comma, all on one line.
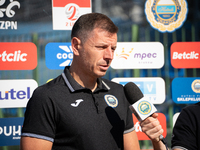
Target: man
[[186, 131], [79, 109]]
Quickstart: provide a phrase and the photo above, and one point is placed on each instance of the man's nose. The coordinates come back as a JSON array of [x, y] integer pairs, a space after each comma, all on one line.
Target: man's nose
[[109, 53]]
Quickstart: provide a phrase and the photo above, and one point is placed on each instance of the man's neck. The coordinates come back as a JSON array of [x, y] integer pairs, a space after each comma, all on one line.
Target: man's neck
[[84, 81]]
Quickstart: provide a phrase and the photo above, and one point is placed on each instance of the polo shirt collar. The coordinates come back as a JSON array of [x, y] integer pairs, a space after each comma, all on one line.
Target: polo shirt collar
[[75, 86]]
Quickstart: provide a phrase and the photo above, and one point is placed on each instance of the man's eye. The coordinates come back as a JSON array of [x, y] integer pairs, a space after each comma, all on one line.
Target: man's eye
[[101, 47], [113, 48]]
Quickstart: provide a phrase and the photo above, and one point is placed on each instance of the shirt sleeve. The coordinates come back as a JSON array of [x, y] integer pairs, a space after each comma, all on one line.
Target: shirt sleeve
[[129, 120], [39, 118], [184, 131]]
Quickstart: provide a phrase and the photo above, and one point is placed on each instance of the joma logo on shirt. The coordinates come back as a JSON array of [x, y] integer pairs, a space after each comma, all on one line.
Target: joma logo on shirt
[[77, 102]]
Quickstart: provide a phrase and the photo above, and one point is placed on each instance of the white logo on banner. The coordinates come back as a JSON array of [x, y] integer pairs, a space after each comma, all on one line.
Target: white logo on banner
[[9, 13], [69, 55]]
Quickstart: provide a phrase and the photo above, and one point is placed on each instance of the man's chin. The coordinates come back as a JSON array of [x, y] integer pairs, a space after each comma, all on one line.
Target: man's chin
[[101, 74]]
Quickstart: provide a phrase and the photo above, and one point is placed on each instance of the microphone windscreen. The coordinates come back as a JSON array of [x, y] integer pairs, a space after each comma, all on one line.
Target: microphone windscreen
[[132, 92]]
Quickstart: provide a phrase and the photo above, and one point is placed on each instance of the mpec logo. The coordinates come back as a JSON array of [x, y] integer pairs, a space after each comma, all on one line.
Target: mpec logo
[[58, 55], [138, 55]]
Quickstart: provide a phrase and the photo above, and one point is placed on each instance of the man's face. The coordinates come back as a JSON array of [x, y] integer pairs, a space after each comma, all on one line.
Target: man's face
[[97, 52]]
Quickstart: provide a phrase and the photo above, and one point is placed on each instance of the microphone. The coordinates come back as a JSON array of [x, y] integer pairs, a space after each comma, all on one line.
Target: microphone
[[140, 107]]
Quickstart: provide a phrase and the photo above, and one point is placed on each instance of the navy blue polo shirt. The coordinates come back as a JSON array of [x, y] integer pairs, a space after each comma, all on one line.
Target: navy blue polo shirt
[[74, 117]]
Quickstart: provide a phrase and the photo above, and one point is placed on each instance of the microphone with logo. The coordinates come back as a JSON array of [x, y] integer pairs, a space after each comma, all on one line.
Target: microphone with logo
[[140, 107]]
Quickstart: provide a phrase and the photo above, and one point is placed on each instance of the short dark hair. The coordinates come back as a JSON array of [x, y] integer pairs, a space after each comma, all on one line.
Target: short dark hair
[[86, 23]]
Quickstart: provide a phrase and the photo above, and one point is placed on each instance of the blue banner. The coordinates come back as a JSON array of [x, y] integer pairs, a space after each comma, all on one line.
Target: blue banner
[[186, 90], [10, 131], [58, 55]]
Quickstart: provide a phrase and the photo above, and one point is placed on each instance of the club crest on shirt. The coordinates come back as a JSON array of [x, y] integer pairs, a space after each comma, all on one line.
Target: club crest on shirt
[[111, 100], [166, 15], [144, 107], [196, 86]]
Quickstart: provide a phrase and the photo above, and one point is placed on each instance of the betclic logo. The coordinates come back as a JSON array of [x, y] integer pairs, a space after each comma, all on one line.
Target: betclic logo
[[185, 54], [138, 55], [16, 93], [18, 56], [58, 55]]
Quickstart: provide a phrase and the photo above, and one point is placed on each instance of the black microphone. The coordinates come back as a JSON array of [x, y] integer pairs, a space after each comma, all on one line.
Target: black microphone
[[140, 107]]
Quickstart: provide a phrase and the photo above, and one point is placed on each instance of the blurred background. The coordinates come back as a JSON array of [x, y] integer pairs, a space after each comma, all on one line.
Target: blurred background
[[34, 19]]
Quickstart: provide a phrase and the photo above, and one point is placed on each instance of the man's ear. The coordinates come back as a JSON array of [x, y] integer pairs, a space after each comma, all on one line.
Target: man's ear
[[76, 44]]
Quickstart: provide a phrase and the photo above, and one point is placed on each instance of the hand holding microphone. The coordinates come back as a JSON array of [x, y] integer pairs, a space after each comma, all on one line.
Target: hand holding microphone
[[151, 127], [144, 112]]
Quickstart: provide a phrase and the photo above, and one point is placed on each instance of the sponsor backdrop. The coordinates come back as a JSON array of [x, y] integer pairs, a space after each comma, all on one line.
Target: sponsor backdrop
[[186, 90], [185, 55], [158, 51], [16, 93], [138, 55], [153, 88], [18, 56], [58, 55], [10, 131], [66, 12]]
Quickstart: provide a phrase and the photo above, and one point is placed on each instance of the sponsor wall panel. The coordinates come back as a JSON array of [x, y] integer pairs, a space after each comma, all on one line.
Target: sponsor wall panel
[[58, 55], [138, 55], [153, 88], [7, 12], [10, 131], [18, 56], [186, 90], [185, 55], [16, 93], [66, 12]]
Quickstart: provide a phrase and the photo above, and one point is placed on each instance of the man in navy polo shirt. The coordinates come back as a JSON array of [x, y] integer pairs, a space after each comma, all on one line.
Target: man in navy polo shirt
[[79, 110]]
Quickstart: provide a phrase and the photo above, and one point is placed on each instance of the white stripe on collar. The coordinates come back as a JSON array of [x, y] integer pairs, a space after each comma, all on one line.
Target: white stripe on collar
[[71, 88], [67, 82], [105, 85]]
